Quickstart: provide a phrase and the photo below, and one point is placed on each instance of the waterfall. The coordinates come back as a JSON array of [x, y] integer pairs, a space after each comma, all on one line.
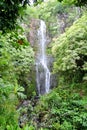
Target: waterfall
[[42, 71], [31, 2]]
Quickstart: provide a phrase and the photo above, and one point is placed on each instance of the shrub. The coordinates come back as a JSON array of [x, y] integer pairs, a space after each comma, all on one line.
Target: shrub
[[70, 51], [62, 109]]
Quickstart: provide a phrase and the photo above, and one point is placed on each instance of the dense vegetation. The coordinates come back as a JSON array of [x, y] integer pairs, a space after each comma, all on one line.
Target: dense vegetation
[[62, 109], [16, 59], [70, 51], [65, 107]]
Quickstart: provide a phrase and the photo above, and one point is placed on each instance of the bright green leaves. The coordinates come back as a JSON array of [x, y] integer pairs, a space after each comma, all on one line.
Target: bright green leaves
[[16, 60], [46, 11], [71, 45], [21, 63], [62, 109], [8, 100], [70, 52]]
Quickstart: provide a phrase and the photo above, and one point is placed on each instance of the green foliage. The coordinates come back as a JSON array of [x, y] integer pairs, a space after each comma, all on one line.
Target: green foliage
[[60, 8], [31, 12], [26, 127], [29, 127], [9, 12], [8, 101], [16, 58], [54, 14], [70, 51], [16, 54], [76, 2], [62, 109], [46, 11]]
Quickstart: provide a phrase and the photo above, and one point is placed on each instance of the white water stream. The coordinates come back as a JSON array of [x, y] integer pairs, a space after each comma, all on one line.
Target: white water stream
[[31, 2], [42, 71]]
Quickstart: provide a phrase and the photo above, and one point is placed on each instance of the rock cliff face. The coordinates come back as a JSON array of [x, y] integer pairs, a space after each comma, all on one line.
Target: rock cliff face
[[32, 35]]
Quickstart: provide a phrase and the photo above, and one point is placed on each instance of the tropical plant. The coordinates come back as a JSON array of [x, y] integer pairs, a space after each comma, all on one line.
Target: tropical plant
[[16, 57], [62, 109], [70, 51]]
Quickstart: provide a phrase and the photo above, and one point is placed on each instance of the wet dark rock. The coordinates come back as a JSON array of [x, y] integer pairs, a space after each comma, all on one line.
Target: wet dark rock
[[26, 109]]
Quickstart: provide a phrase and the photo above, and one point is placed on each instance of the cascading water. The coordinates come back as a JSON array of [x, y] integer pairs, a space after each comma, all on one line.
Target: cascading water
[[31, 2], [42, 71]]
